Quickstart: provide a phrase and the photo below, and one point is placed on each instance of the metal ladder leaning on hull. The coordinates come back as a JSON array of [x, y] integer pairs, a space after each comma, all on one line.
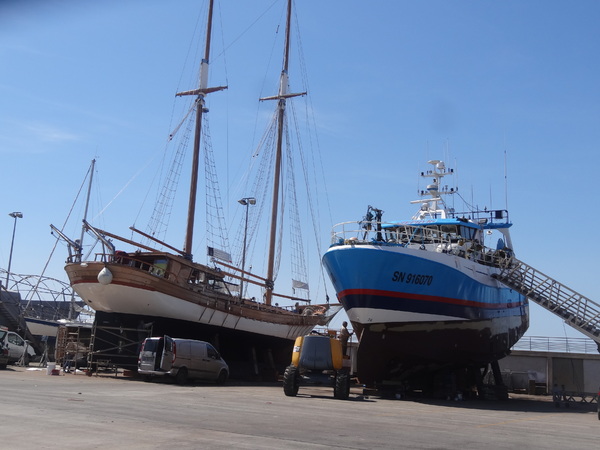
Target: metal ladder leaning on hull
[[577, 310]]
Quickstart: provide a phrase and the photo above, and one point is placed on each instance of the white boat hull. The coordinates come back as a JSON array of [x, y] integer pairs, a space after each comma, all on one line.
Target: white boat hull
[[115, 298], [39, 327]]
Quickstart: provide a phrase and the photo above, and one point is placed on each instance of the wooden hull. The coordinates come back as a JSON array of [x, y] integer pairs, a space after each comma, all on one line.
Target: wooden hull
[[138, 292], [164, 294]]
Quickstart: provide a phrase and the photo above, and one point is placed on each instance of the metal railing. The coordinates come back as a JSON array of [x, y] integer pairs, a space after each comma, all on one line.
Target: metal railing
[[425, 236], [578, 311]]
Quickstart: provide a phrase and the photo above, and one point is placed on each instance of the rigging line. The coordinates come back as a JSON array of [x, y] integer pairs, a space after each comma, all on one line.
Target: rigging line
[[307, 184], [163, 207], [311, 121], [246, 29], [505, 178], [261, 92], [227, 148], [281, 210], [192, 45], [124, 187], [283, 204], [469, 205], [298, 260], [263, 180], [61, 229], [255, 181], [264, 79], [250, 166], [159, 220], [214, 206], [184, 120], [158, 173], [455, 180], [256, 164]]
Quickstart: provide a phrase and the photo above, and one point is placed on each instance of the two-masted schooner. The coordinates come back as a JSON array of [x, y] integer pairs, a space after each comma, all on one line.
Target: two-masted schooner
[[172, 294]]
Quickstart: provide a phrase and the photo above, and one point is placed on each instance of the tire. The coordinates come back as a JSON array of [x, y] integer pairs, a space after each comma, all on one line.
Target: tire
[[341, 390], [182, 376], [222, 378], [291, 381], [147, 378], [2, 366]]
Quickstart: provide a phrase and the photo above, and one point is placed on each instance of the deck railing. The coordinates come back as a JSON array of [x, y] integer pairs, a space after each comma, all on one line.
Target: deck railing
[[430, 237]]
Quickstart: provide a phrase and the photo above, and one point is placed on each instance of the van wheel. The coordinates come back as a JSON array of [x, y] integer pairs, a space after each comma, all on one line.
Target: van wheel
[[148, 378], [222, 378], [291, 381], [182, 376]]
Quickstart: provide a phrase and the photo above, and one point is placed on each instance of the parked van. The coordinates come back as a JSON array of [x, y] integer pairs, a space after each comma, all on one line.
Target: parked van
[[15, 347], [182, 359]]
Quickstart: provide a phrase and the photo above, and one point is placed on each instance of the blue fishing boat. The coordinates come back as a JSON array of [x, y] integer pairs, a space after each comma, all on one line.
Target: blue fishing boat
[[420, 293]]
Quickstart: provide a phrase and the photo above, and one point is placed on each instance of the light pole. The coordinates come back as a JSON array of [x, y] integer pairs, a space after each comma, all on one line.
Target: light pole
[[246, 201], [14, 215]]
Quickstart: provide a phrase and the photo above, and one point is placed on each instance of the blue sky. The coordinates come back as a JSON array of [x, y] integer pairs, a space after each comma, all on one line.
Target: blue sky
[[392, 84]]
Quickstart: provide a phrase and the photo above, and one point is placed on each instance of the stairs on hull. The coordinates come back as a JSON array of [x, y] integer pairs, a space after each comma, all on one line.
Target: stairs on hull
[[578, 311]]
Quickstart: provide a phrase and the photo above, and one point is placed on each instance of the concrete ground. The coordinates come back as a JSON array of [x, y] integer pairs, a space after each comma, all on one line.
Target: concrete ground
[[69, 411]]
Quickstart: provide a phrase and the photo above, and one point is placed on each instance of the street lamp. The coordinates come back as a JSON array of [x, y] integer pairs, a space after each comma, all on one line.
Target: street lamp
[[246, 201], [14, 215]]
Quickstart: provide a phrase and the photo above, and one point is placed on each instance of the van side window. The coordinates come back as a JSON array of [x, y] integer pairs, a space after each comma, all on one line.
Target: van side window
[[14, 339], [212, 352]]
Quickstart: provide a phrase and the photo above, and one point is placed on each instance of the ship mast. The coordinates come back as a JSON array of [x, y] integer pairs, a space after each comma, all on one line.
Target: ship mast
[[281, 98], [87, 204], [200, 93]]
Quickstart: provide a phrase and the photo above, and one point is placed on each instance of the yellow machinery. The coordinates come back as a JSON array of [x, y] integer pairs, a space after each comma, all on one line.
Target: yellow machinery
[[317, 360]]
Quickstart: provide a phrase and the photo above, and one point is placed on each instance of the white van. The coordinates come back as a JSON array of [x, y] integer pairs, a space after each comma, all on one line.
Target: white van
[[182, 359], [15, 347]]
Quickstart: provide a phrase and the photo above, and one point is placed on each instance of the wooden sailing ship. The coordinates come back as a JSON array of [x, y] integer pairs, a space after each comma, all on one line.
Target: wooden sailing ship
[[170, 292]]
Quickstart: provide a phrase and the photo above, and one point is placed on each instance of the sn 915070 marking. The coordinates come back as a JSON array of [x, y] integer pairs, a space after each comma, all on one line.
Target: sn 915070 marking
[[412, 278]]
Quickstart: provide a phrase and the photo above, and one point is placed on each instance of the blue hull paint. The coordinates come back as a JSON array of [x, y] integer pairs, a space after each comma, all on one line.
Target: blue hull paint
[[415, 282], [416, 309]]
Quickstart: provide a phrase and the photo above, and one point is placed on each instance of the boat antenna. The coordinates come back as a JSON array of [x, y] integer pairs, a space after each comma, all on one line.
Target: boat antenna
[[281, 98], [505, 181], [200, 93]]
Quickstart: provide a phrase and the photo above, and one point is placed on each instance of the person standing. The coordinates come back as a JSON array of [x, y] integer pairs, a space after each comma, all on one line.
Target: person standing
[[344, 336], [556, 395]]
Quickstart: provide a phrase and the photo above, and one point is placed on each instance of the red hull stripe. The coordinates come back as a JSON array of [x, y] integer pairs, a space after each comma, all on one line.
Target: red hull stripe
[[426, 298]]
